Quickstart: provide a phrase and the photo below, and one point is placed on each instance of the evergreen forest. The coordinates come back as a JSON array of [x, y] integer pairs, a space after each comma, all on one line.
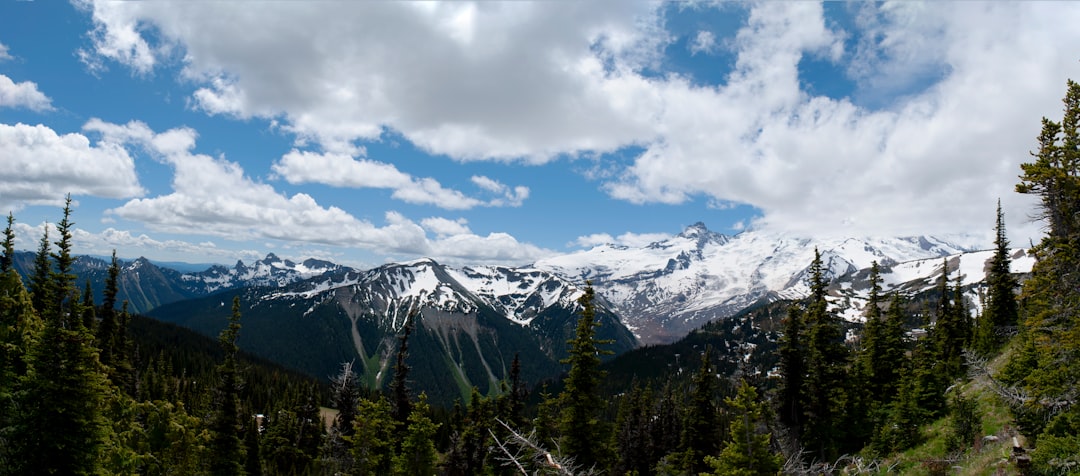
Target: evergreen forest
[[924, 386]]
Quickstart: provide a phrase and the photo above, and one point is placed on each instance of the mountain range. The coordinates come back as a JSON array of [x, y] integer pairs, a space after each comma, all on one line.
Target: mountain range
[[469, 322]]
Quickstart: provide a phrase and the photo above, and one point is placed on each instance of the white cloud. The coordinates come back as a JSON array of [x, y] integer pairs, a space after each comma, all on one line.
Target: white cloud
[[213, 197], [629, 239], [4, 54], [341, 170], [471, 80], [934, 163], [704, 43], [444, 227], [41, 167], [509, 79], [24, 94]]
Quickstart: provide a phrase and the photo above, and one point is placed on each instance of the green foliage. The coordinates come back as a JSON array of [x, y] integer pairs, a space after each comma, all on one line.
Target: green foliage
[[581, 426], [965, 423], [373, 437], [226, 446], [7, 257], [1001, 313], [748, 453], [700, 429], [418, 454], [826, 363]]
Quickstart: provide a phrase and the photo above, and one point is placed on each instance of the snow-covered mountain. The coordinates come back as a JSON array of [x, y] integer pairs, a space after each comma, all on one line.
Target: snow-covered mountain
[[269, 271], [468, 323], [668, 288]]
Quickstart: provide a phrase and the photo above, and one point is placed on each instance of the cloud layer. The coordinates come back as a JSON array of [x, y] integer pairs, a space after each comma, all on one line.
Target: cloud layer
[[947, 102]]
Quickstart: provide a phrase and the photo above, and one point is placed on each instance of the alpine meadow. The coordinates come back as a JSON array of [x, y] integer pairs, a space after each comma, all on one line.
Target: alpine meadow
[[850, 313]]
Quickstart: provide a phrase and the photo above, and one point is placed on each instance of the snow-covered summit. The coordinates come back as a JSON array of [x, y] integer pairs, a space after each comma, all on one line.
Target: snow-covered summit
[[670, 287]]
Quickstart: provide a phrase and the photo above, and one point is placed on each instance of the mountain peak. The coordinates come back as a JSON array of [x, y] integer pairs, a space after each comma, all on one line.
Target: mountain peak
[[271, 258], [702, 235]]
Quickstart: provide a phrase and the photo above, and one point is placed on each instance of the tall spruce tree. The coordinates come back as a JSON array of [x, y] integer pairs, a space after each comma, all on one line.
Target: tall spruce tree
[[40, 282], [1001, 313], [401, 401], [826, 364], [1051, 303], [700, 430], [792, 352], [60, 426], [582, 428], [7, 259], [749, 451], [227, 453]]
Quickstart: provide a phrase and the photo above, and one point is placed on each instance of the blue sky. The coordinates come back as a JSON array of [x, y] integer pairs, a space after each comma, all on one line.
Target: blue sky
[[502, 132]]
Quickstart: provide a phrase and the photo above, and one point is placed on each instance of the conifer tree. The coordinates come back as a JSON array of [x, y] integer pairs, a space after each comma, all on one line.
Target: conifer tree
[[20, 329], [40, 283], [1001, 312], [418, 455], [826, 362], [7, 259], [1051, 303], [748, 453], [227, 453], [399, 386], [60, 428], [89, 314], [792, 366], [63, 275], [633, 445], [582, 428], [345, 397], [700, 430], [373, 438]]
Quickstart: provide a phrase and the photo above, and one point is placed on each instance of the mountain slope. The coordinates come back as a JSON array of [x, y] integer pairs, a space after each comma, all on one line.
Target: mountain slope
[[666, 289], [461, 338]]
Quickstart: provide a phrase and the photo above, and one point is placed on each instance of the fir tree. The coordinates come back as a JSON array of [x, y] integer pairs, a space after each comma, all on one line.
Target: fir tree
[[373, 437], [7, 259], [581, 424], [1001, 313], [826, 362], [792, 366], [227, 454], [418, 455], [399, 386], [63, 276], [700, 435], [40, 283], [748, 453], [632, 442]]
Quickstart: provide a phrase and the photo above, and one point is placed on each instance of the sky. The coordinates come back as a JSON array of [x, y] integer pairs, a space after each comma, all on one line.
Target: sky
[[494, 132]]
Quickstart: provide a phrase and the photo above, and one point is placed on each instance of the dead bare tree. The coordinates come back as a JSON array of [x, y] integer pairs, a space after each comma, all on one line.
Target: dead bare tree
[[529, 458]]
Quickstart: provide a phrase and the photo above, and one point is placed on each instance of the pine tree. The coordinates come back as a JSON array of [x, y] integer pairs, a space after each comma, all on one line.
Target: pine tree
[[63, 276], [826, 362], [399, 386], [700, 430], [748, 453], [227, 454], [418, 455], [1051, 303], [40, 283], [373, 438], [61, 427], [344, 397], [1001, 313], [792, 352], [20, 330], [7, 259], [633, 446], [581, 425]]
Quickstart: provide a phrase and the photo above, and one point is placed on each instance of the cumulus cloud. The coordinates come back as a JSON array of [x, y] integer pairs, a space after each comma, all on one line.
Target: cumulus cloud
[[704, 43], [213, 197], [957, 89], [41, 167], [470, 80], [629, 239], [24, 94], [341, 170]]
